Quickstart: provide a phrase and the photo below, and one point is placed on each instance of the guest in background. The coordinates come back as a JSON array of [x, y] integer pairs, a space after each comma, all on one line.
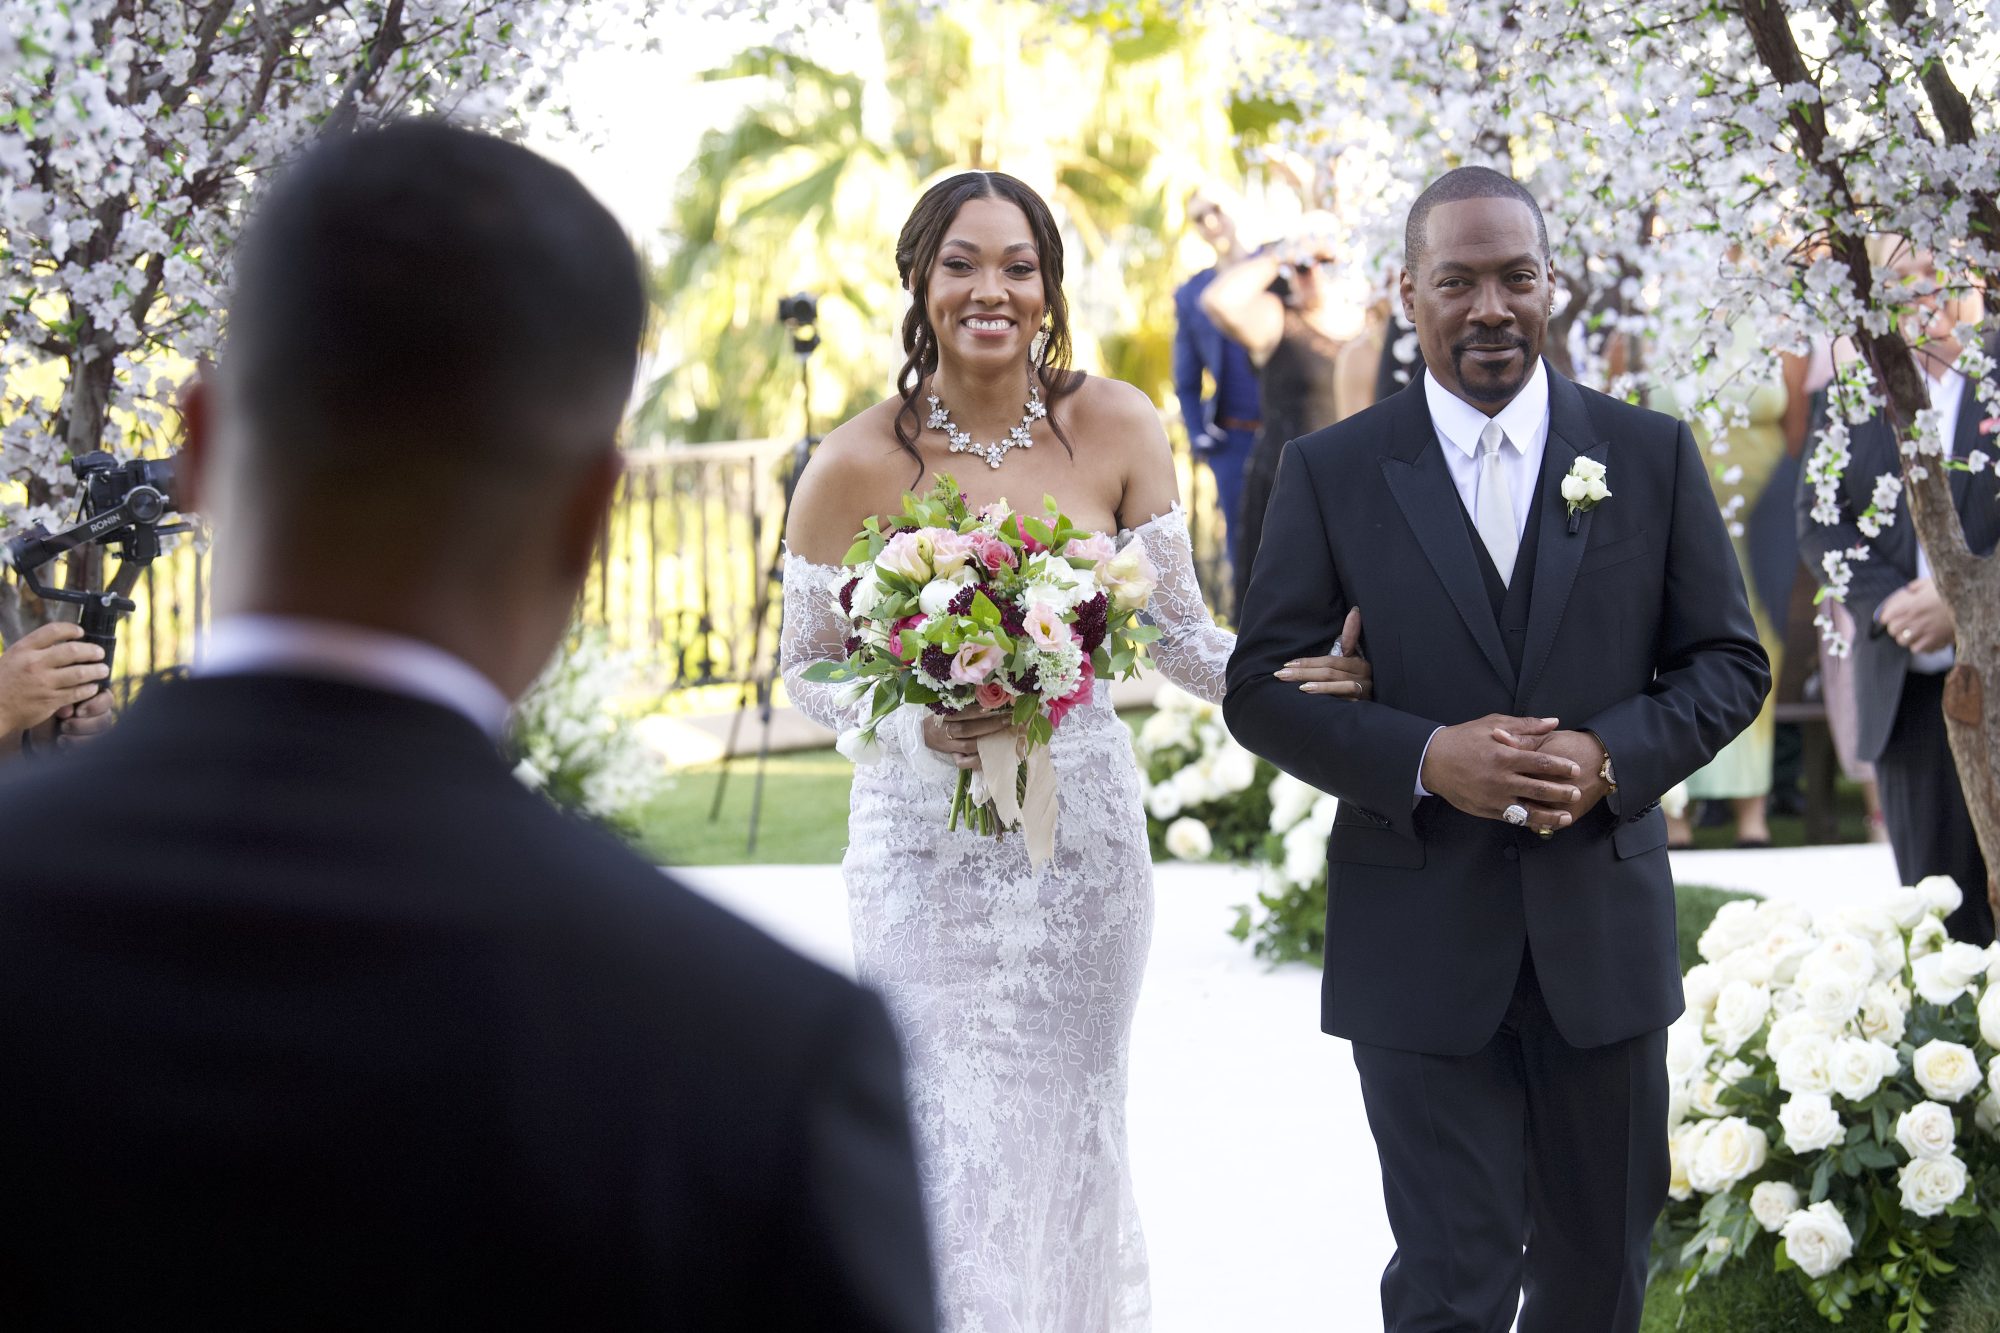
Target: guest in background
[[1357, 371], [1904, 641], [1222, 421], [1275, 303], [1770, 390], [51, 690]]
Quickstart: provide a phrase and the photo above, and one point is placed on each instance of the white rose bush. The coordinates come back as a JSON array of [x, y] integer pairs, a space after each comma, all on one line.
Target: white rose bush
[[1287, 923], [1207, 798], [1834, 1106], [573, 740]]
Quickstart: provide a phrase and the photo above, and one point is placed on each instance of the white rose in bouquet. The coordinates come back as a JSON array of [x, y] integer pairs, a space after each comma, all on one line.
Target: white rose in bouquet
[[1806, 1064], [1788, 1029], [1885, 1012], [936, 598], [1928, 937], [1906, 907], [1810, 1122], [1732, 1149], [1290, 800], [1817, 1239], [1699, 988], [1941, 894], [1129, 577], [1831, 994], [1860, 1065], [1786, 947], [1989, 1018], [1843, 952], [1987, 1116], [1188, 840], [1772, 1202], [1682, 1145], [1740, 1010], [1949, 972], [1931, 1184], [1926, 1130], [1945, 1070], [1686, 1051], [1747, 964], [1734, 927]]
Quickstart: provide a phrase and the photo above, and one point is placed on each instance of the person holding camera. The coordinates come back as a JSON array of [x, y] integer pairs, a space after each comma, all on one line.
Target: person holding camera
[[51, 690], [1275, 303]]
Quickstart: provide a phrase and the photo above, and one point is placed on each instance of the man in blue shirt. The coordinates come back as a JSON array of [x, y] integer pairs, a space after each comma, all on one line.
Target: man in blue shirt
[[1221, 428]]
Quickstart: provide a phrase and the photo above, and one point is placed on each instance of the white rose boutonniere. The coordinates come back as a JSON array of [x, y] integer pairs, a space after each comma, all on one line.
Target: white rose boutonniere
[[1583, 488]]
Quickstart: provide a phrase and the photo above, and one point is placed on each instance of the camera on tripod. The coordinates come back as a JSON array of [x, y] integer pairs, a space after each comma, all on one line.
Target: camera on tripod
[[121, 508], [799, 312]]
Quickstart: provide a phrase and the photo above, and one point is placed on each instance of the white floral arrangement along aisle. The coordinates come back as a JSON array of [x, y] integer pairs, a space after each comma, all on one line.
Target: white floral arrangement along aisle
[[574, 742], [1835, 1104]]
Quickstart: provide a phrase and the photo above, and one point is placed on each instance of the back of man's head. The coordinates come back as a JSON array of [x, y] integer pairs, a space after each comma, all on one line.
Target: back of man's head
[[432, 340], [422, 302]]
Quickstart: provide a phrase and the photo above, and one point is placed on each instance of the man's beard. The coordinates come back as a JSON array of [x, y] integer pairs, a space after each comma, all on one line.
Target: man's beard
[[1491, 391]]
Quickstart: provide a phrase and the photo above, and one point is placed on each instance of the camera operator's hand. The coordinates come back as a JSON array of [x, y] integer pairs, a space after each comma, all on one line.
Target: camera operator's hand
[[77, 724], [46, 671]]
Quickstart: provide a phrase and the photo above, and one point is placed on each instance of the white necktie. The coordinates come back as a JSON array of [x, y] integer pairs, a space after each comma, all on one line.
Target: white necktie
[[1493, 505]]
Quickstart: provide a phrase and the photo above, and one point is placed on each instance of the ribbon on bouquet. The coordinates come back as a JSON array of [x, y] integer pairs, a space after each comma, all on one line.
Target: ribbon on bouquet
[[1035, 814]]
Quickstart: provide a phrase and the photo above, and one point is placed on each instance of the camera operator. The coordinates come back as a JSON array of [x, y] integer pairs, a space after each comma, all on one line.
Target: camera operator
[[49, 690]]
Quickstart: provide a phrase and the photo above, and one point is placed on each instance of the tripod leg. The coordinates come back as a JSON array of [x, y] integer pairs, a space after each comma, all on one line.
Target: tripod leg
[[729, 749]]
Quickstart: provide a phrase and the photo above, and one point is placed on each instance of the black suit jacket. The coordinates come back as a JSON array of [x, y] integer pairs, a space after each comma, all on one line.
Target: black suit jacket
[[1879, 661], [1638, 630], [312, 1017]]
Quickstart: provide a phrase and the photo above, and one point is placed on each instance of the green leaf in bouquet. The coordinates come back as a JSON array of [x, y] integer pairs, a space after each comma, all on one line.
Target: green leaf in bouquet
[[1049, 503], [863, 549], [832, 673], [914, 692], [1039, 729], [1040, 531], [1024, 709], [984, 613], [888, 695], [1143, 633]]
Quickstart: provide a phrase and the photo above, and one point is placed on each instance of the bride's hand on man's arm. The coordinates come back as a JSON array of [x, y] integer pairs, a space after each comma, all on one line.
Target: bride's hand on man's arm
[[957, 737], [1342, 675]]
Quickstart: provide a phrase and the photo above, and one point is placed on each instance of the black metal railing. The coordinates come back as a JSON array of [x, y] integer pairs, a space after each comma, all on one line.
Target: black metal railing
[[683, 576]]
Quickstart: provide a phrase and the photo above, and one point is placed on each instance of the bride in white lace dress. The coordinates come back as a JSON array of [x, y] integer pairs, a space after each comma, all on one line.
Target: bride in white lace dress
[[1013, 988]]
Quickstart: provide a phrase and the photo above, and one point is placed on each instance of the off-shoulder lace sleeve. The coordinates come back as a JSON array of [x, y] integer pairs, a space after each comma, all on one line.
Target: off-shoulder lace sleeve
[[1191, 652], [815, 631]]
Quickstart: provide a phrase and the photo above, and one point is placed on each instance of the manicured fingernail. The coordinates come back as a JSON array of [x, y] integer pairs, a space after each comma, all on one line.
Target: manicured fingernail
[[1285, 673], [1562, 820]]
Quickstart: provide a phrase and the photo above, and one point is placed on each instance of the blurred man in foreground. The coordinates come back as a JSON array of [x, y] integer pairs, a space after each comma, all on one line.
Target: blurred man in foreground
[[330, 1023]]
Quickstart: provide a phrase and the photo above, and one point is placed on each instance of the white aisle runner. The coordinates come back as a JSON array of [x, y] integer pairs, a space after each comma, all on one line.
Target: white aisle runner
[[1251, 1157]]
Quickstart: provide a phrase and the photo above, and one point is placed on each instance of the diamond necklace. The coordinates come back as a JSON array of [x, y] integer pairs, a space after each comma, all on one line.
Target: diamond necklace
[[1020, 437]]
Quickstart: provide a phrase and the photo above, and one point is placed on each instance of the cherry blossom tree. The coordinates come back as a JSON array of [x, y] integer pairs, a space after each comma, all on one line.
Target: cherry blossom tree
[[134, 135]]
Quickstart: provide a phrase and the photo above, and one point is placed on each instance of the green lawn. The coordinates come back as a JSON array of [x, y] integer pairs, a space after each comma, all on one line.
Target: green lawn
[[802, 817]]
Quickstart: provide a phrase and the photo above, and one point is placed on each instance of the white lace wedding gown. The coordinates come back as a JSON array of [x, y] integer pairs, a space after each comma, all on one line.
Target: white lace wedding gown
[[1013, 989]]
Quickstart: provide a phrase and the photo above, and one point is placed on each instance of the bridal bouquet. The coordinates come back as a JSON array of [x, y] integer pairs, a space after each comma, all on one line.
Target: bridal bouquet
[[1835, 1100], [957, 611]]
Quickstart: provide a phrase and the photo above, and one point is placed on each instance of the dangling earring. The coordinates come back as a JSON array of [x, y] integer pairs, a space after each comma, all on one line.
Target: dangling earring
[[1038, 346]]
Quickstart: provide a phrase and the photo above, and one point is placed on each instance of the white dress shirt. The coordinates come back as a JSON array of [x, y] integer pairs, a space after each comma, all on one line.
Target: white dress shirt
[[1947, 393], [1458, 425], [335, 650]]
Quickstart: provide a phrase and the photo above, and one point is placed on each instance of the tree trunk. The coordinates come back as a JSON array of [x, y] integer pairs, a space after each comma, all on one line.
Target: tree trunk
[[1969, 584]]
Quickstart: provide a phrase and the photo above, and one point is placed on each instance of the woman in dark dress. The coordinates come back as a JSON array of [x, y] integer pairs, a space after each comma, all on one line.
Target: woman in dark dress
[[1276, 304]]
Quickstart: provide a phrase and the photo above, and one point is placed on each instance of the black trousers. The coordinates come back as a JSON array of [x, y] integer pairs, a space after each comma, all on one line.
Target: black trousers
[[1527, 1168], [1930, 830]]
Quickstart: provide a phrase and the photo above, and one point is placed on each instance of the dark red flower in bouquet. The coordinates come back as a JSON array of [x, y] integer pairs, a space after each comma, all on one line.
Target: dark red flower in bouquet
[[1028, 681], [1013, 620], [847, 594], [936, 663], [961, 605], [852, 646], [1093, 622]]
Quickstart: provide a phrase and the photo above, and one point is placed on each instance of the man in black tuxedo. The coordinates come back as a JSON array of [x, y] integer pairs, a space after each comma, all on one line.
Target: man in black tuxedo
[[311, 1015], [1500, 913], [1903, 647]]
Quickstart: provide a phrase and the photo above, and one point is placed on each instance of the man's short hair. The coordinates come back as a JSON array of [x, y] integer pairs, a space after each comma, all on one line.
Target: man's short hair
[[423, 298], [1464, 183]]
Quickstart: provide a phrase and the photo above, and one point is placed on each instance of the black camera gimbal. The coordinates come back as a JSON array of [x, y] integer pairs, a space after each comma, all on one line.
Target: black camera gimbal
[[122, 507]]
